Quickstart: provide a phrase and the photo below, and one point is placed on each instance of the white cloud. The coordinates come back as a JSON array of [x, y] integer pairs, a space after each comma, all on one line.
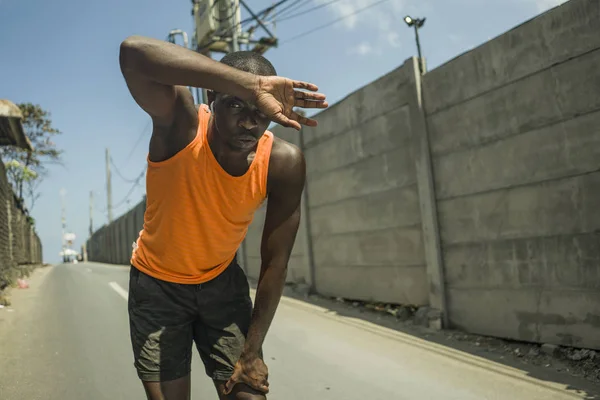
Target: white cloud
[[380, 22], [362, 49], [393, 39]]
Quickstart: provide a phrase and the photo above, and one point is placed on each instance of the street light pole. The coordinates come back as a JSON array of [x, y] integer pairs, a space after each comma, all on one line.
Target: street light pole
[[419, 47], [417, 23]]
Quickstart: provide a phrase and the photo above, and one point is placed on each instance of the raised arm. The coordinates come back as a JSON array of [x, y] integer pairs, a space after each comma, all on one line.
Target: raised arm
[[154, 69]]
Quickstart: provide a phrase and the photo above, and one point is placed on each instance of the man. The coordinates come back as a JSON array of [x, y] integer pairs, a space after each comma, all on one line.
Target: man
[[209, 169]]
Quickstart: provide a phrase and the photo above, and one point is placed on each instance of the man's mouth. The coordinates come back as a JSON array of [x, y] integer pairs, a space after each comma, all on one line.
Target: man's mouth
[[246, 139]]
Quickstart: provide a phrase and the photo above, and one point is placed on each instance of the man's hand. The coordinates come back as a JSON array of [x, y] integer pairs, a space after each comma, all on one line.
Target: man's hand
[[252, 371], [277, 96]]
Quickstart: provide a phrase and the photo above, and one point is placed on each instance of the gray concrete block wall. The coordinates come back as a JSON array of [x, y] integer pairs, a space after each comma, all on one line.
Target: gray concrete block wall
[[113, 243], [363, 198], [515, 155], [568, 31]]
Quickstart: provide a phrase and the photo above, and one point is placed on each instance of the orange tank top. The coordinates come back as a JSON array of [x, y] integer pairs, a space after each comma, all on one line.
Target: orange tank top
[[197, 215]]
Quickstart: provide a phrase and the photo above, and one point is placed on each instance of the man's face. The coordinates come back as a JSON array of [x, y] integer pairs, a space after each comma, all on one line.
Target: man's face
[[239, 123]]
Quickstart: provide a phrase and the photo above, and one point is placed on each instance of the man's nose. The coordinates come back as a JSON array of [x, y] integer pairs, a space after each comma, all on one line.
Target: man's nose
[[247, 123]]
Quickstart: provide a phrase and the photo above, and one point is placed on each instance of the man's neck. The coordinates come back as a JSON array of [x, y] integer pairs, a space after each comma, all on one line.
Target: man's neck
[[234, 161]]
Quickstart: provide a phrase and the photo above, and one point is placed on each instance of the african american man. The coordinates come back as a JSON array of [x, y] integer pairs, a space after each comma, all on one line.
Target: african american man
[[209, 169]]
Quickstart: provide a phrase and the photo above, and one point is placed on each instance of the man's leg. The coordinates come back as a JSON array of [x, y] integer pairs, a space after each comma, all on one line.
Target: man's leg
[[161, 326], [178, 389], [220, 333]]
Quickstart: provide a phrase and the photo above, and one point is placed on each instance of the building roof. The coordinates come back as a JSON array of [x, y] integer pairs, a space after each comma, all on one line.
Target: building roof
[[11, 128]]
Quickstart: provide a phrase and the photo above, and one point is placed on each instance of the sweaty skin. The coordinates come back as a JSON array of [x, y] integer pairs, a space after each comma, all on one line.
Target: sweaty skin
[[158, 74]]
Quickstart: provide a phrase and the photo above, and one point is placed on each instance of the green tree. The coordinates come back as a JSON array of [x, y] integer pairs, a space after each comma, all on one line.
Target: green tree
[[25, 169]]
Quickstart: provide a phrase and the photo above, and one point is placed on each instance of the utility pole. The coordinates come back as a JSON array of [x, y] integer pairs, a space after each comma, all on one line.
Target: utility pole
[[218, 26], [235, 46], [108, 187], [91, 213], [63, 219]]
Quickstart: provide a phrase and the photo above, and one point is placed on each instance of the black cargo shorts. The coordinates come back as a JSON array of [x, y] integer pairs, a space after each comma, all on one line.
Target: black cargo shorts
[[166, 318]]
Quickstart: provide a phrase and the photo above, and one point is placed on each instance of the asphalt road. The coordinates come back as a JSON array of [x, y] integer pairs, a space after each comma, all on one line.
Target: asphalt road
[[67, 338]]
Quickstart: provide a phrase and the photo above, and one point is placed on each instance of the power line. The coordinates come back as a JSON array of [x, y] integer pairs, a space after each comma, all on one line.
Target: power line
[[335, 21], [291, 16], [135, 184], [139, 139], [119, 173], [289, 8]]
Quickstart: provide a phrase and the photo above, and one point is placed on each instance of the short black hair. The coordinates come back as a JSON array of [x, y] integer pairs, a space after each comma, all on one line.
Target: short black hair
[[249, 61]]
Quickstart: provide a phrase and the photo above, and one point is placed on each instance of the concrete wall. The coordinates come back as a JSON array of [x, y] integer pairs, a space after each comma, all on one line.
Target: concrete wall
[[361, 218], [363, 197], [472, 189], [514, 128], [113, 243], [19, 243]]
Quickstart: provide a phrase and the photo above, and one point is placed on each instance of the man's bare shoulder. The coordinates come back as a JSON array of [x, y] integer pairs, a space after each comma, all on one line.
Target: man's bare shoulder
[[284, 152], [287, 165]]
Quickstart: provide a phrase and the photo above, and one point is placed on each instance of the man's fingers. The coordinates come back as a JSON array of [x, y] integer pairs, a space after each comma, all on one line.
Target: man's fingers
[[303, 120], [309, 96], [305, 85], [287, 122], [229, 385], [310, 104], [262, 387]]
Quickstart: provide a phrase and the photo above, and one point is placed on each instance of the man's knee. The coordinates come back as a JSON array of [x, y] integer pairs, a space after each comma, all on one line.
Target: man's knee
[[241, 395], [239, 392], [245, 392]]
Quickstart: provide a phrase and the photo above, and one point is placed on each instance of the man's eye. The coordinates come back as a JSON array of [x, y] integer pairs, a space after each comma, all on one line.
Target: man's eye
[[235, 104], [261, 115]]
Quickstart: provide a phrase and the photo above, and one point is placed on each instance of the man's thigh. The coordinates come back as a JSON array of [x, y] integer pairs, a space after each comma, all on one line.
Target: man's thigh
[[161, 318], [225, 309]]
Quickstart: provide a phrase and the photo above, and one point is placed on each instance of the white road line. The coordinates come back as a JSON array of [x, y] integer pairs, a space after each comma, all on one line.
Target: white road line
[[117, 288]]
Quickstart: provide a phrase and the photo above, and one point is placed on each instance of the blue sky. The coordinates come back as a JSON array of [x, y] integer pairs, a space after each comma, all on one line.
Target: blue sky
[[63, 55]]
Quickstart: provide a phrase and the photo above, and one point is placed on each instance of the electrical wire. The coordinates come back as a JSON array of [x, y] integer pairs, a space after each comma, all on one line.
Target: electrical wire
[[288, 9], [291, 16], [133, 187], [335, 21], [139, 139], [119, 172]]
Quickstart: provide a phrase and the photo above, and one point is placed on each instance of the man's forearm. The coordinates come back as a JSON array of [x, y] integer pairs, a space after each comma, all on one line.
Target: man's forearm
[[170, 64], [268, 295]]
